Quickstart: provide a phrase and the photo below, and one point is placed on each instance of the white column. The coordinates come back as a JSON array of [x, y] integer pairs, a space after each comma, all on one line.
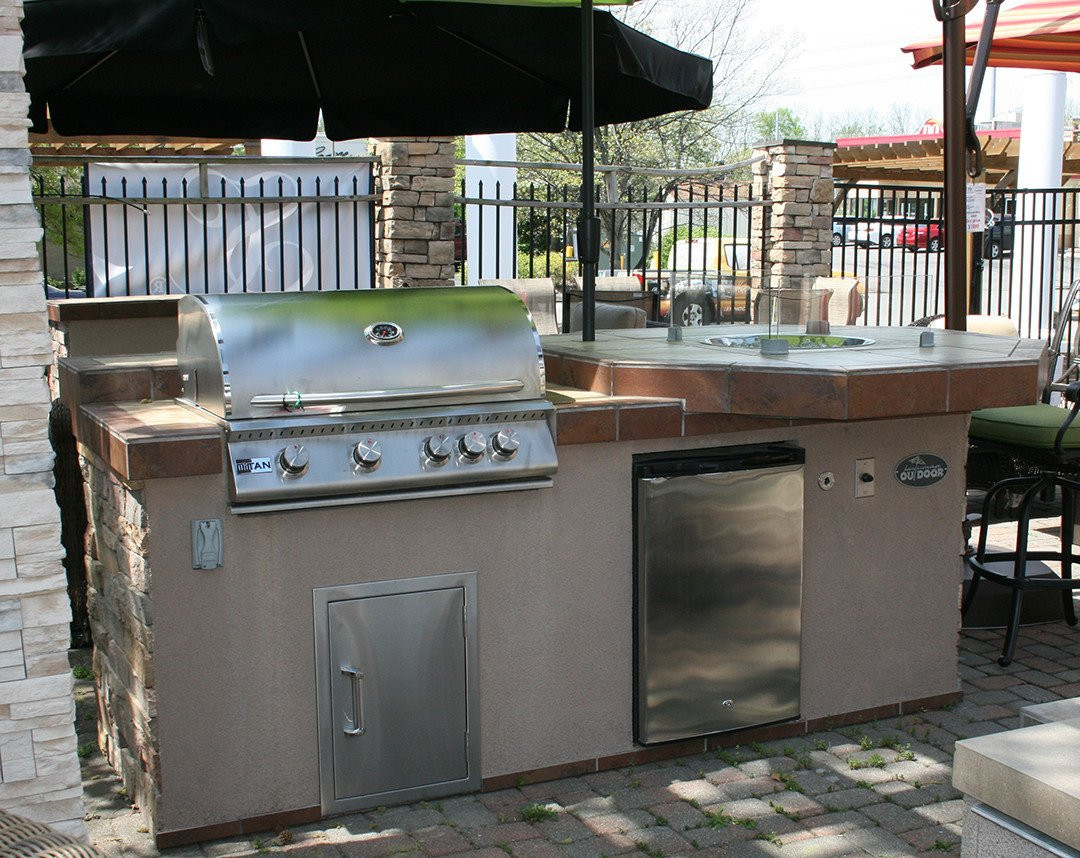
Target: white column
[[498, 221], [1034, 246]]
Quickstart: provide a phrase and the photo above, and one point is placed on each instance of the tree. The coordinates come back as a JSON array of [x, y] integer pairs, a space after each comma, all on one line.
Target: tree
[[746, 68], [778, 124]]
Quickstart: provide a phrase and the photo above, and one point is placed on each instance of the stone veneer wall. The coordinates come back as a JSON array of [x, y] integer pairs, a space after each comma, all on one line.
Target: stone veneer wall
[[798, 175], [118, 577], [39, 770], [414, 230]]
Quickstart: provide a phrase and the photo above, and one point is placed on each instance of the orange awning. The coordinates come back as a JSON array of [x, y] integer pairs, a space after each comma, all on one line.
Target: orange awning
[[1044, 34]]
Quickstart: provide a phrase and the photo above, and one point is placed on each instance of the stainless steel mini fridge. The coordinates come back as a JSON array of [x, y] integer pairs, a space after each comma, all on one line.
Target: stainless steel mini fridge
[[718, 589]]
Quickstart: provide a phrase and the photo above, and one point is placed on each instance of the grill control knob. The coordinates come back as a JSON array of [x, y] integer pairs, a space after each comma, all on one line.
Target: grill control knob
[[472, 446], [438, 448], [505, 443], [367, 454], [294, 459]]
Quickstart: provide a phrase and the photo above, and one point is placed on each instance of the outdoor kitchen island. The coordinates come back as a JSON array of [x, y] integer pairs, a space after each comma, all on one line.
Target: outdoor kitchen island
[[207, 677]]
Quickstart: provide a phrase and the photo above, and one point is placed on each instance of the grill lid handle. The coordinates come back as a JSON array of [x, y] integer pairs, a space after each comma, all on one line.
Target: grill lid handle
[[294, 400]]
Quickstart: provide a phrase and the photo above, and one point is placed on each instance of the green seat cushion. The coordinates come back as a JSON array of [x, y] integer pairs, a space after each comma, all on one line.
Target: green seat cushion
[[1033, 426]]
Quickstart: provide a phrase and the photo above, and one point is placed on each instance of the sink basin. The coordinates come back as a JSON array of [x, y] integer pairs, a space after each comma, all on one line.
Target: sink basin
[[796, 342]]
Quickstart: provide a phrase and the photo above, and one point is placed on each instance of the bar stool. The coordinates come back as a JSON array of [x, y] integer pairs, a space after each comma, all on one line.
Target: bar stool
[[1044, 435]]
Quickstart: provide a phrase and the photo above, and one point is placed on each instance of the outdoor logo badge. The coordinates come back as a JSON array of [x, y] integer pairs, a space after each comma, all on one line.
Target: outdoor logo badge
[[921, 470], [261, 465]]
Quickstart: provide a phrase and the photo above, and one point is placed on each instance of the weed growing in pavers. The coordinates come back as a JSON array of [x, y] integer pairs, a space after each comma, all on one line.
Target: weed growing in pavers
[[81, 671], [731, 757], [719, 819], [771, 837], [788, 780], [537, 813], [505, 847], [821, 745], [794, 817], [642, 846], [520, 782], [942, 846], [905, 755], [695, 844], [759, 749], [285, 837], [694, 803], [258, 845], [831, 808], [866, 743], [86, 750], [863, 785], [661, 820], [634, 784], [855, 764], [803, 761]]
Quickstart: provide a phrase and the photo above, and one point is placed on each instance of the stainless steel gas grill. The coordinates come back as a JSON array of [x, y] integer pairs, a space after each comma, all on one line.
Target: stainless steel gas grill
[[353, 397]]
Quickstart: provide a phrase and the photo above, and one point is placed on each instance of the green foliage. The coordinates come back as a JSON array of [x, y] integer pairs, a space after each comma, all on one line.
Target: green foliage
[[779, 124], [81, 671], [719, 819], [61, 223], [537, 813]]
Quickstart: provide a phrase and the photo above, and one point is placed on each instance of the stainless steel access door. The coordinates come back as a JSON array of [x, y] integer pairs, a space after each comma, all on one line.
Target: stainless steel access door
[[719, 591], [396, 674]]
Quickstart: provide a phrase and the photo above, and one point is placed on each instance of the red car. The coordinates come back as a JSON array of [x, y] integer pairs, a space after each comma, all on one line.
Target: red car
[[924, 236]]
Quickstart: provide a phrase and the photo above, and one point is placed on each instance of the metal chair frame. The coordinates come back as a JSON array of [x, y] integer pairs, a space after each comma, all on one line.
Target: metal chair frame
[[1055, 473]]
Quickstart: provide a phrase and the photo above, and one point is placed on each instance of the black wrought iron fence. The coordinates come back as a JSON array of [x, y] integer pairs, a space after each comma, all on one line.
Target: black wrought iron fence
[[892, 238], [178, 226], [694, 243]]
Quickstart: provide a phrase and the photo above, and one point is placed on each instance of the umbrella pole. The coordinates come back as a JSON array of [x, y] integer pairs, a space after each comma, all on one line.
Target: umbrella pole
[[956, 299], [589, 225]]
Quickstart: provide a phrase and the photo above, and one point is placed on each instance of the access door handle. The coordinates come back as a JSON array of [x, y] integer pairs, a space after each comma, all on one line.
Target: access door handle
[[357, 720]]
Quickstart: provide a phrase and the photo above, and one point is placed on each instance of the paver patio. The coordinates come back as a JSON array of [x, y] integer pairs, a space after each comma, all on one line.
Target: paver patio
[[881, 788]]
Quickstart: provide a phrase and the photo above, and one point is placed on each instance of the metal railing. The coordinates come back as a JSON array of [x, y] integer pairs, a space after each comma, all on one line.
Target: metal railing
[[269, 224], [891, 237]]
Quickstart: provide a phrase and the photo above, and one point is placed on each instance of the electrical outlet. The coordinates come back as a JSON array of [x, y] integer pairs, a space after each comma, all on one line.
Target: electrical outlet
[[864, 478]]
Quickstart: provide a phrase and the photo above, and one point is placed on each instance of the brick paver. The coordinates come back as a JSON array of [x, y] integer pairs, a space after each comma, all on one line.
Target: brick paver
[[880, 788]]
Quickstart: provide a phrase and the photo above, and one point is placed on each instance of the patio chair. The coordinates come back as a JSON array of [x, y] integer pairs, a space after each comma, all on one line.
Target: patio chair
[[792, 306], [647, 302], [850, 295], [538, 294], [609, 316], [1042, 434]]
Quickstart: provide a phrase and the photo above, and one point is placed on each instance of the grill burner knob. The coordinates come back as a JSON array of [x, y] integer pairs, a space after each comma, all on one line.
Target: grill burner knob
[[472, 446], [367, 454], [438, 448], [505, 443], [294, 459]]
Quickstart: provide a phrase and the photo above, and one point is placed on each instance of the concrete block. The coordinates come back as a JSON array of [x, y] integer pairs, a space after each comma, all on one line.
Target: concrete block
[[10, 641], [7, 570], [10, 616], [1031, 774], [36, 539], [57, 708], [46, 609], [7, 544], [988, 834], [1047, 713], [34, 691], [19, 508], [17, 757]]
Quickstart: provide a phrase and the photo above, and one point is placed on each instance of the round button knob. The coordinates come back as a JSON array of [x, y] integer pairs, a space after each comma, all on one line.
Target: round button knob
[[505, 443], [472, 445], [367, 454], [294, 459], [438, 448]]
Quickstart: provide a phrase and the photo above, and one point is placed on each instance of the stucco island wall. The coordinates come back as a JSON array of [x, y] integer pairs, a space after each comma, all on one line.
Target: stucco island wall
[[233, 648]]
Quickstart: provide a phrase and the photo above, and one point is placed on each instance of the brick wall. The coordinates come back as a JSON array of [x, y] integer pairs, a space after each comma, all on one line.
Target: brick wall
[[39, 770], [414, 233]]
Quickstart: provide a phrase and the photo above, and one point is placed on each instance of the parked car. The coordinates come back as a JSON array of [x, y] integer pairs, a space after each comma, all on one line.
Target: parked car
[[997, 239], [705, 301], [923, 236]]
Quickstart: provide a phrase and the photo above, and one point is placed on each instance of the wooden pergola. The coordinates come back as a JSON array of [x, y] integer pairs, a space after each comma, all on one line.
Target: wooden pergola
[[920, 158]]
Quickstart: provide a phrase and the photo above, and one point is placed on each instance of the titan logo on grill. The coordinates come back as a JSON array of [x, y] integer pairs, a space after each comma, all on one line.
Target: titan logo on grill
[[261, 465]]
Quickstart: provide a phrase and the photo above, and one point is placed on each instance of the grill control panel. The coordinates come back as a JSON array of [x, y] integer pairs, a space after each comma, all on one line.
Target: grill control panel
[[329, 463]]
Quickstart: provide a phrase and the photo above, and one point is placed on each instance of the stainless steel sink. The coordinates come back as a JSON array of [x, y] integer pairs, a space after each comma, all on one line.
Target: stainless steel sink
[[795, 342]]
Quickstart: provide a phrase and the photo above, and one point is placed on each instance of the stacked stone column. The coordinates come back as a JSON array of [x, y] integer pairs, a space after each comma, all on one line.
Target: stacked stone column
[[414, 230], [39, 769], [796, 232]]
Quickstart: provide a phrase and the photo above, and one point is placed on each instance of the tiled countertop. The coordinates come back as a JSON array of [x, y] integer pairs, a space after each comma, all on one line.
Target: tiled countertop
[[625, 386], [892, 377]]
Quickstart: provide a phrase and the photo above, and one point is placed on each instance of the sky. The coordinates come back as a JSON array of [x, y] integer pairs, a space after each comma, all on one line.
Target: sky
[[850, 58]]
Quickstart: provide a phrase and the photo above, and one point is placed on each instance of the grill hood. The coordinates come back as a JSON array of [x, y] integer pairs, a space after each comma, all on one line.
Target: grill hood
[[288, 354]]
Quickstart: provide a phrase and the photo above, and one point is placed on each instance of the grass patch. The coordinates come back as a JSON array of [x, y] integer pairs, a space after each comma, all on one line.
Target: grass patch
[[866, 743], [769, 837], [719, 819], [81, 671], [537, 813], [642, 846], [794, 817], [86, 750], [821, 745], [731, 757], [789, 781], [942, 846]]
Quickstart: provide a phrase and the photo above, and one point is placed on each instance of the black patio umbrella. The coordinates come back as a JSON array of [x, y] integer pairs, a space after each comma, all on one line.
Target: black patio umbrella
[[383, 68]]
